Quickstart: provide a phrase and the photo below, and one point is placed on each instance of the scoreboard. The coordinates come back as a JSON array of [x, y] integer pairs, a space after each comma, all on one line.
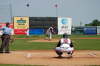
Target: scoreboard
[[42, 22]]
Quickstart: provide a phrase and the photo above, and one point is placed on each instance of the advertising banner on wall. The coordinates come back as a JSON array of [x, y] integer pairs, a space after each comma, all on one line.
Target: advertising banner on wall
[[21, 22], [21, 25], [90, 30], [64, 25], [98, 30]]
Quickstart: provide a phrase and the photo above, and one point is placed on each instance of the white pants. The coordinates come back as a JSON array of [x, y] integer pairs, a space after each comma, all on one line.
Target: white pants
[[64, 49], [50, 36]]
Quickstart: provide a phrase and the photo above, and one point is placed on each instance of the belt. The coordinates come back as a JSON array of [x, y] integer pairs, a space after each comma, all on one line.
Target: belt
[[5, 34]]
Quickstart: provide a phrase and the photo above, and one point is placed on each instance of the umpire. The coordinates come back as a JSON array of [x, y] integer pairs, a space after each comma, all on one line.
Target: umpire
[[5, 39]]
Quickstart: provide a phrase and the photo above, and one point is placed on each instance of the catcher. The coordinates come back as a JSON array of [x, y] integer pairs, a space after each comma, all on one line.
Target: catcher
[[64, 45]]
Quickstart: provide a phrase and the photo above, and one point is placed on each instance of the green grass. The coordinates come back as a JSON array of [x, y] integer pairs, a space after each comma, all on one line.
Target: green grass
[[84, 36], [24, 44], [80, 44], [87, 44], [56, 36]]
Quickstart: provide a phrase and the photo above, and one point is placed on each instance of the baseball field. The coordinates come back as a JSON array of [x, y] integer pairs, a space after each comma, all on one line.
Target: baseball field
[[37, 51]]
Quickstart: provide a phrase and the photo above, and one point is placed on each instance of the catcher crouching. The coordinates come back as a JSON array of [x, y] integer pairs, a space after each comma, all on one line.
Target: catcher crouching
[[64, 45]]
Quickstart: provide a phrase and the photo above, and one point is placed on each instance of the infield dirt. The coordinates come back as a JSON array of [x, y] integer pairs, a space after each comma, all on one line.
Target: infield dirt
[[49, 58]]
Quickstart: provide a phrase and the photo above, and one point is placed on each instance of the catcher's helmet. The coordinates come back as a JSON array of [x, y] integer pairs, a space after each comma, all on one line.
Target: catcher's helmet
[[65, 35]]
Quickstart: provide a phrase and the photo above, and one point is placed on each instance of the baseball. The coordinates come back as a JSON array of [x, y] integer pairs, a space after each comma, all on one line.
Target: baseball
[[29, 55]]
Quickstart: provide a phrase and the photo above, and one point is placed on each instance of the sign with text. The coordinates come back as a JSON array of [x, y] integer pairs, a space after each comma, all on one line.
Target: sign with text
[[64, 25], [21, 22]]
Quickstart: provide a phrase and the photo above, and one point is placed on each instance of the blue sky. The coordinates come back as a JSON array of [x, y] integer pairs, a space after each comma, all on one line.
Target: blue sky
[[79, 10]]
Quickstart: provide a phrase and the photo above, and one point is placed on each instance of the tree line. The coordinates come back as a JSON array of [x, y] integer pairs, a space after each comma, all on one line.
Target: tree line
[[95, 22]]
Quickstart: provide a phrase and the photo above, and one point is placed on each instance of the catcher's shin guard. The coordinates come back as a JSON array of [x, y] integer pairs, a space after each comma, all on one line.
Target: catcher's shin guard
[[59, 53]]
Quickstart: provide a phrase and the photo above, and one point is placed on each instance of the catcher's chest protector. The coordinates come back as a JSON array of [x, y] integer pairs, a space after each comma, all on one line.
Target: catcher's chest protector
[[64, 41]]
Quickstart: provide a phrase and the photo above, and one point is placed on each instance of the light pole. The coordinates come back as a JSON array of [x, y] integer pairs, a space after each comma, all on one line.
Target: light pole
[[56, 6], [10, 7]]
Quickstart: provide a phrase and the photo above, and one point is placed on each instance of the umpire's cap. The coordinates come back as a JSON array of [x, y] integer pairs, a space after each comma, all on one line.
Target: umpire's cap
[[65, 35]]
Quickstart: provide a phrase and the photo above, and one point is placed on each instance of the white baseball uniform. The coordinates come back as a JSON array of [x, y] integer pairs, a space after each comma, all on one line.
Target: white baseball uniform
[[65, 45]]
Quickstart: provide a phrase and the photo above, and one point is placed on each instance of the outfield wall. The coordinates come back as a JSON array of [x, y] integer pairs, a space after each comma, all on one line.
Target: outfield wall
[[87, 30], [39, 25]]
